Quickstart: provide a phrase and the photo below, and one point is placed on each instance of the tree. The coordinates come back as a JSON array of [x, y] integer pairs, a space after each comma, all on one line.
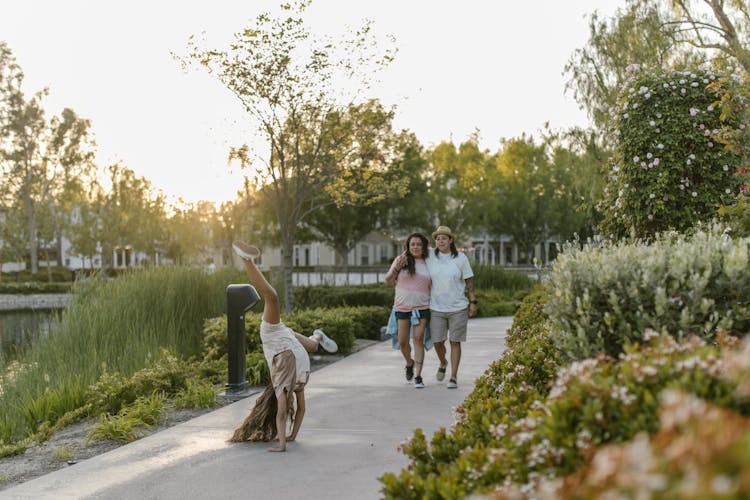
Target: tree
[[457, 181], [664, 34], [525, 192], [291, 85], [636, 34], [717, 26], [37, 155], [133, 215]]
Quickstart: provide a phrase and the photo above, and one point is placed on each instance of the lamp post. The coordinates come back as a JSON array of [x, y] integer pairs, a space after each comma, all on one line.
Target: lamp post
[[240, 298]]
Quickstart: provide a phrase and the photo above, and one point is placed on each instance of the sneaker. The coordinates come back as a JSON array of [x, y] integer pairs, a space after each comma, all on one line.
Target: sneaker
[[452, 384], [244, 250], [326, 342], [441, 373], [418, 384], [410, 371]]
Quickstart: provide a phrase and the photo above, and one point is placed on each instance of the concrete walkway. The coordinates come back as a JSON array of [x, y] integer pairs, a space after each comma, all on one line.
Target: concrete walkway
[[359, 410]]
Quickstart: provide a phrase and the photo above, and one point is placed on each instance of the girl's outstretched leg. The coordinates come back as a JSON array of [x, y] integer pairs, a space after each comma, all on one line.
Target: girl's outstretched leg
[[272, 306]]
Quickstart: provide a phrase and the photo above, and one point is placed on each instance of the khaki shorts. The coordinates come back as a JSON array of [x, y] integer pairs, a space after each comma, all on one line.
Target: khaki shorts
[[284, 374], [445, 324]]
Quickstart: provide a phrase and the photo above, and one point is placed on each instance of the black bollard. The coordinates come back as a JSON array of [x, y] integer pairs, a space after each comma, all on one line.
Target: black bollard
[[240, 298]]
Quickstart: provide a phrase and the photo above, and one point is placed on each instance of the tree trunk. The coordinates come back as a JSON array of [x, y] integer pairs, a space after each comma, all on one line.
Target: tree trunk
[[49, 270], [287, 264]]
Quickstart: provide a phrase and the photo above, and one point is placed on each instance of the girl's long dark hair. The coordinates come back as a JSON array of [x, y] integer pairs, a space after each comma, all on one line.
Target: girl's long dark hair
[[260, 425], [410, 265]]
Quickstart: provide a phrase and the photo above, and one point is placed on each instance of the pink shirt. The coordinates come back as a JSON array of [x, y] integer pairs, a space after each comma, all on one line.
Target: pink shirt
[[412, 292]]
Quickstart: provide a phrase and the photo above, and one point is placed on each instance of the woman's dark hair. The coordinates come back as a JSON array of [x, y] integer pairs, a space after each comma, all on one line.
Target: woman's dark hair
[[454, 250], [409, 257]]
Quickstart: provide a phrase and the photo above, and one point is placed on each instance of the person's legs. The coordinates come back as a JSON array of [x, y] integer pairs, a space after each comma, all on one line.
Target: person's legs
[[439, 334], [404, 344], [310, 343], [403, 339], [457, 325], [272, 306], [455, 358], [419, 345], [281, 417]]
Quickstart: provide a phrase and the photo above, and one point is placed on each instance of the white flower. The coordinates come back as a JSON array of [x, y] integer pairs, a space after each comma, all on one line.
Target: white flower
[[727, 191], [660, 146], [694, 194], [652, 123], [649, 155], [725, 168], [651, 196], [636, 159], [691, 156], [694, 84], [693, 111], [656, 162]]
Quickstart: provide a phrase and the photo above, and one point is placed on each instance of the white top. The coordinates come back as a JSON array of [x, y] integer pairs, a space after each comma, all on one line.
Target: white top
[[278, 338], [448, 281]]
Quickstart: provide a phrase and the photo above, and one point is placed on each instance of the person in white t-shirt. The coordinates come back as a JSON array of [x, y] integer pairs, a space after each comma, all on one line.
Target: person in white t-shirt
[[286, 354], [450, 308]]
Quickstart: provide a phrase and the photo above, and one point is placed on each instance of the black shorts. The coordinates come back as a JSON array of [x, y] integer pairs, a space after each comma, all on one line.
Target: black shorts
[[423, 314]]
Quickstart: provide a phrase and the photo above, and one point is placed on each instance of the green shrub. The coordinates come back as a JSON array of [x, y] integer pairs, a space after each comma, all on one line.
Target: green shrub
[[328, 296], [512, 434], [256, 369], [605, 296], [197, 393], [712, 461], [132, 421], [504, 394], [670, 171]]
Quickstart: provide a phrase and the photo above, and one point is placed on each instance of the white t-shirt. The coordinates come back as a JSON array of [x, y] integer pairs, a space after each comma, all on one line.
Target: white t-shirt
[[277, 338], [448, 281]]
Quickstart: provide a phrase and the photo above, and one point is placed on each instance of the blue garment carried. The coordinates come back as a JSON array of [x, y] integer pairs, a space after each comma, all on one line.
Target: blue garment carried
[[392, 329]]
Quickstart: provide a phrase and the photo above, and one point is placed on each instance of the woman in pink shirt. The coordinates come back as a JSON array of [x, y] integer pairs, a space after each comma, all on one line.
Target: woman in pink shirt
[[409, 273]]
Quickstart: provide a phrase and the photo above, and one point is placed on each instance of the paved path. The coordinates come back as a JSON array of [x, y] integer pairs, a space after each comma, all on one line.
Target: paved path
[[359, 410]]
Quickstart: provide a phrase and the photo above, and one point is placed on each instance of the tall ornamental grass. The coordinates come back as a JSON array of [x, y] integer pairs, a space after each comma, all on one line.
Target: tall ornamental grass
[[116, 326], [605, 296]]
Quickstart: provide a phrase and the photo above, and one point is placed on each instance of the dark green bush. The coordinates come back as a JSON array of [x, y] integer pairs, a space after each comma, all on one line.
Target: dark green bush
[[315, 297]]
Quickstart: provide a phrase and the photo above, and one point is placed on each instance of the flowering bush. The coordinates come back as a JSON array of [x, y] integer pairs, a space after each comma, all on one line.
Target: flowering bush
[[510, 437], [700, 451], [605, 296], [669, 169]]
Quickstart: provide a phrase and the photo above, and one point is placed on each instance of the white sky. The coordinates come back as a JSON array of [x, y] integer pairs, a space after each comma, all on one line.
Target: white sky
[[492, 65]]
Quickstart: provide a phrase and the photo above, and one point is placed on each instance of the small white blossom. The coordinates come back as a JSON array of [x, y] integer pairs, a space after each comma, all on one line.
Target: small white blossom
[[694, 194]]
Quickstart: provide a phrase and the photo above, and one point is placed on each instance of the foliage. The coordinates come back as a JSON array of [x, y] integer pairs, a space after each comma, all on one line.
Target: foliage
[[320, 141], [501, 396], [669, 171], [140, 313], [512, 435], [488, 277], [131, 422], [636, 33], [607, 295], [313, 297], [699, 451], [196, 394]]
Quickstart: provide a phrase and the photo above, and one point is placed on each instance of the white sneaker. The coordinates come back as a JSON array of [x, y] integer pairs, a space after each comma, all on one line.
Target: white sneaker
[[452, 384], [326, 342], [244, 250]]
